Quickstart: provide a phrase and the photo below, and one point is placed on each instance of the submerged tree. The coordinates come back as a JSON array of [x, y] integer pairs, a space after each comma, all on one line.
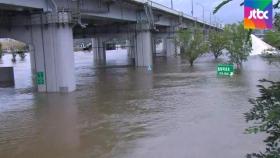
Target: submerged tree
[[265, 115], [266, 109], [192, 43], [277, 21], [238, 45], [217, 42], [273, 38]]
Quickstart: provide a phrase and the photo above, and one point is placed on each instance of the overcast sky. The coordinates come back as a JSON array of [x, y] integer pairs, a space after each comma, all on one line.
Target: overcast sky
[[229, 14]]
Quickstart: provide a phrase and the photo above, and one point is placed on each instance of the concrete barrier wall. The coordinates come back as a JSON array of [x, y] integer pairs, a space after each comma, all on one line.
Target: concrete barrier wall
[[7, 77]]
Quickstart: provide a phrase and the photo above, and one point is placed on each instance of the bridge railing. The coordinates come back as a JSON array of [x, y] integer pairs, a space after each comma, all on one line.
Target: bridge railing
[[176, 12]]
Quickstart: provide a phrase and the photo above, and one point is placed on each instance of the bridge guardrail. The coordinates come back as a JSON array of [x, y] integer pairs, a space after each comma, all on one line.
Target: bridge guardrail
[[176, 12]]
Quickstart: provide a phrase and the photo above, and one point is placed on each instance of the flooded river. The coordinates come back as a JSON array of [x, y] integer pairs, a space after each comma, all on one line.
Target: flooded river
[[122, 112]]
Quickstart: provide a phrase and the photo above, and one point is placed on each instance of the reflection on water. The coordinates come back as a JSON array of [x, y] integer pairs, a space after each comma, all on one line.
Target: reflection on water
[[174, 111]]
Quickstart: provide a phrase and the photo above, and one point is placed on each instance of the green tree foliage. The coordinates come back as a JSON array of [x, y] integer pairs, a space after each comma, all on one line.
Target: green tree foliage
[[217, 42], [225, 2], [238, 45], [266, 108], [192, 43], [265, 115], [273, 38], [277, 21]]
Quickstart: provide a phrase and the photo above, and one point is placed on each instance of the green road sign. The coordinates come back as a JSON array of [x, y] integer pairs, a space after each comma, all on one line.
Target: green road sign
[[40, 78], [225, 70]]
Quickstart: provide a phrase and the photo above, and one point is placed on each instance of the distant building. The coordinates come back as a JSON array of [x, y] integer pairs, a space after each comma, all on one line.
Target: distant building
[[260, 33], [81, 44]]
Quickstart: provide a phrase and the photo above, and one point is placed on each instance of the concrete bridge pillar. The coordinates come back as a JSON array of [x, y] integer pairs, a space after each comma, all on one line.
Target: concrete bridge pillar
[[129, 49], [178, 49], [154, 46], [53, 55], [170, 46], [133, 49], [99, 50], [94, 44], [144, 56], [164, 46], [32, 58], [144, 49]]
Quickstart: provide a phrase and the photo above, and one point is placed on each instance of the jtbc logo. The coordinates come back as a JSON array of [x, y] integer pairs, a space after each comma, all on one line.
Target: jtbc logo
[[258, 14]]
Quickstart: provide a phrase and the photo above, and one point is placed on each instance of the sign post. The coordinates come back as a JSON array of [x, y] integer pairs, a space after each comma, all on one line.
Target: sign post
[[40, 78], [225, 70]]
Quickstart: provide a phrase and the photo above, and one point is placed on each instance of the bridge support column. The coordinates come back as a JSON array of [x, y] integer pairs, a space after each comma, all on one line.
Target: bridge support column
[[53, 55], [32, 59], [99, 49], [102, 51], [144, 57], [163, 52], [178, 49], [129, 49], [94, 44], [170, 46]]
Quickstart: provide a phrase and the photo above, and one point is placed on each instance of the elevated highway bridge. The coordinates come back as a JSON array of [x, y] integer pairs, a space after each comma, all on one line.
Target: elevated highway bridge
[[49, 27]]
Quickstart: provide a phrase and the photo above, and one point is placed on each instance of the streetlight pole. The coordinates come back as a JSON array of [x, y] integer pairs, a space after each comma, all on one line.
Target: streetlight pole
[[192, 8], [210, 17], [172, 4], [202, 10], [219, 22]]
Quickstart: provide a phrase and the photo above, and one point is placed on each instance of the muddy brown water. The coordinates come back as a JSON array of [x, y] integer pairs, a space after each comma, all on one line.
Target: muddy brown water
[[123, 112]]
